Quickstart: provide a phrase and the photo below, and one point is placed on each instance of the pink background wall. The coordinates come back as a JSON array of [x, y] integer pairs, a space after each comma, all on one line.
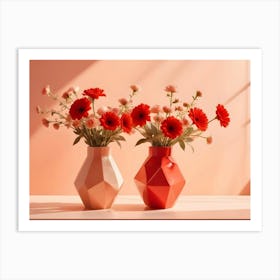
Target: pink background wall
[[222, 168]]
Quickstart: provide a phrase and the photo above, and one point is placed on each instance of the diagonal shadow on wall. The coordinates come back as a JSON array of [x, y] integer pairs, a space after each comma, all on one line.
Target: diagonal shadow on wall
[[57, 74]]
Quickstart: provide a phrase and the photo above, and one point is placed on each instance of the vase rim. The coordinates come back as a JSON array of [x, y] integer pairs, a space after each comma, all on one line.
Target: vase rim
[[160, 150], [101, 147], [98, 151], [160, 147]]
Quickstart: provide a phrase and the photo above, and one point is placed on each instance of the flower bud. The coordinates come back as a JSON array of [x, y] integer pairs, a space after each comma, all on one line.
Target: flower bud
[[134, 88], [123, 101], [76, 123], [66, 95], [166, 109], [185, 122], [198, 93], [102, 110], [155, 109], [90, 123], [46, 90], [170, 88], [115, 110], [68, 121], [56, 126], [45, 122], [209, 140], [158, 118], [179, 108]]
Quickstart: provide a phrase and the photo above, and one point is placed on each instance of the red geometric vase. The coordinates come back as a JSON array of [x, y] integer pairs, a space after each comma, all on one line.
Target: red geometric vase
[[159, 180]]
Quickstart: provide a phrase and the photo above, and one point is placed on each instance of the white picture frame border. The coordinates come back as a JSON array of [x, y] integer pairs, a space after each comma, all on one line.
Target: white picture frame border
[[255, 58]]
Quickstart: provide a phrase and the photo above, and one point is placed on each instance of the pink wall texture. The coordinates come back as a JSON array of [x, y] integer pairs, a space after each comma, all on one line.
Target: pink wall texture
[[222, 168]]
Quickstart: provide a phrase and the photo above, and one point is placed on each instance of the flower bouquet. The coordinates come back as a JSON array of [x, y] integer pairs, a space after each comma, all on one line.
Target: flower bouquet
[[178, 122], [98, 127], [99, 179], [159, 180]]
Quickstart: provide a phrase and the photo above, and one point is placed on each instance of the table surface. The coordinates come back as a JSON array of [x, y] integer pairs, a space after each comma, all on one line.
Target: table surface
[[129, 207]]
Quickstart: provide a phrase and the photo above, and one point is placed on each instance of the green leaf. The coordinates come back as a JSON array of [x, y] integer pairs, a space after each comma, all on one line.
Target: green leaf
[[119, 138], [118, 143], [191, 147], [154, 130], [77, 139], [182, 144], [188, 139], [115, 132], [188, 131], [148, 130], [143, 133], [122, 138], [141, 141], [76, 131]]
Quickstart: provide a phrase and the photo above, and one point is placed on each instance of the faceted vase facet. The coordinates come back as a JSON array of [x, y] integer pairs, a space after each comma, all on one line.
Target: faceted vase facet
[[99, 179], [159, 180]]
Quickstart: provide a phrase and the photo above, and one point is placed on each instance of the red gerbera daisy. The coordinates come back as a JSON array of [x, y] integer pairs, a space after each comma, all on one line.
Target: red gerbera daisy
[[199, 118], [171, 127], [222, 115], [141, 114], [94, 93], [110, 120], [80, 108], [126, 123]]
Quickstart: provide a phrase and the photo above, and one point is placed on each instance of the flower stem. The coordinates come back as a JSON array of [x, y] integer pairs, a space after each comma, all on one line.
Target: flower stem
[[93, 107], [212, 119], [193, 135], [55, 112], [171, 99], [194, 99]]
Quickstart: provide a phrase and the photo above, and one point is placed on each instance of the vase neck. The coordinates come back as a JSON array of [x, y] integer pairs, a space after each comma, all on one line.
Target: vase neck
[[98, 151], [159, 151]]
